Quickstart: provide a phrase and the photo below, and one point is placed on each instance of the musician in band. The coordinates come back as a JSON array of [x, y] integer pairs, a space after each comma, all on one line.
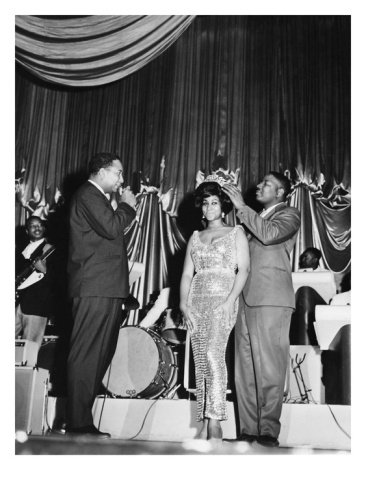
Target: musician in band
[[35, 299]]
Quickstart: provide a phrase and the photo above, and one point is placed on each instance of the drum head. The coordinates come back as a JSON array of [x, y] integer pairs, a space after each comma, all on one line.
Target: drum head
[[135, 362]]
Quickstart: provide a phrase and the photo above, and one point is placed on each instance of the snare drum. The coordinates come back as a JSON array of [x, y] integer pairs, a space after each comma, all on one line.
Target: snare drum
[[143, 365], [174, 331]]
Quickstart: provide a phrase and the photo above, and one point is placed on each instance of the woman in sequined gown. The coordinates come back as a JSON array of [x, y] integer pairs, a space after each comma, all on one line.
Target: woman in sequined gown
[[215, 271]]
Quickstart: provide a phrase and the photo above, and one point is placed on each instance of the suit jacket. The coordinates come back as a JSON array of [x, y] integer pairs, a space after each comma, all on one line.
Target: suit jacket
[[39, 298], [270, 244], [97, 260]]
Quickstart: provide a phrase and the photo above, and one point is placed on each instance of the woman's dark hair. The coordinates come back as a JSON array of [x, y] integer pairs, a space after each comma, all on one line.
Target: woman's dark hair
[[209, 189]]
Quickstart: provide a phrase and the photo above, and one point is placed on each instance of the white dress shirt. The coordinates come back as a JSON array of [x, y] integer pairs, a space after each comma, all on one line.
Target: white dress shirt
[[99, 188], [265, 212], [32, 246]]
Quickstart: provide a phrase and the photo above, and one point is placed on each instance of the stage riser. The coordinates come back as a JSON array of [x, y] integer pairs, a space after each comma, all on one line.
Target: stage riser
[[175, 420]]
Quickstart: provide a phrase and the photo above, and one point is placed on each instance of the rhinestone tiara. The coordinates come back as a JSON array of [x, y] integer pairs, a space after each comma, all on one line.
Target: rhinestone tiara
[[216, 179]]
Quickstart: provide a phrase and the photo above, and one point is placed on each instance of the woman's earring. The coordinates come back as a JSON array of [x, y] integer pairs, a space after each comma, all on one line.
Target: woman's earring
[[223, 215]]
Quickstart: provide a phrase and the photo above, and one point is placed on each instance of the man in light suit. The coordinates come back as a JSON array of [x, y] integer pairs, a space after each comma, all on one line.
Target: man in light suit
[[262, 329], [98, 285]]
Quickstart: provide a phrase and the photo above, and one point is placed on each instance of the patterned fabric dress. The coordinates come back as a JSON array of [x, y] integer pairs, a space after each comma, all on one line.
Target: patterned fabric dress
[[215, 267]]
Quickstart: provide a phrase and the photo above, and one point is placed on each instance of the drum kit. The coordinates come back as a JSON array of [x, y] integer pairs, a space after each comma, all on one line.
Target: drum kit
[[145, 364]]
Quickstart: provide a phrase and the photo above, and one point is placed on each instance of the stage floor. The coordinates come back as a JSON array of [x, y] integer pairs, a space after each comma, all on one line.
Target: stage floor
[[56, 444], [169, 426]]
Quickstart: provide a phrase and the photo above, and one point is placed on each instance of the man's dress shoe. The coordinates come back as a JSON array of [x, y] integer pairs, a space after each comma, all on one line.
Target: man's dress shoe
[[59, 428], [268, 441], [89, 431], [243, 438]]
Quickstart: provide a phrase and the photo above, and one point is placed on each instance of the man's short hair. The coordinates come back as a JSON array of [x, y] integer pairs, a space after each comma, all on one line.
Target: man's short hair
[[314, 251], [283, 181], [310, 253], [101, 160], [33, 217]]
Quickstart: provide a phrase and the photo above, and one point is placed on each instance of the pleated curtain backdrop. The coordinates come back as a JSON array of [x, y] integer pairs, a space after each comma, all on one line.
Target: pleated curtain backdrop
[[263, 92]]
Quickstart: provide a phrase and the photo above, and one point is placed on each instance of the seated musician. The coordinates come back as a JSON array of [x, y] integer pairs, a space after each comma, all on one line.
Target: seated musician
[[34, 302], [309, 259]]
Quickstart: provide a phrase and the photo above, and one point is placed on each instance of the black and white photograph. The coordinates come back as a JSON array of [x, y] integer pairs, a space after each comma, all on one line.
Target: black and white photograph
[[182, 245]]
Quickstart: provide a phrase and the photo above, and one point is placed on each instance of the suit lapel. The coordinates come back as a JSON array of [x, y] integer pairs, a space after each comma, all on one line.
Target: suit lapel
[[98, 192]]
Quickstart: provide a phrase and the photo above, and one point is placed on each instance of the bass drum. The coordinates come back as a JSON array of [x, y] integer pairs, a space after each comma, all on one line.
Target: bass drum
[[143, 365]]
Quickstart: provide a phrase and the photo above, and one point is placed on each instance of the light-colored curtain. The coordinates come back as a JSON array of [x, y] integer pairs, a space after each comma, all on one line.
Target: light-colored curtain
[[94, 49], [325, 224]]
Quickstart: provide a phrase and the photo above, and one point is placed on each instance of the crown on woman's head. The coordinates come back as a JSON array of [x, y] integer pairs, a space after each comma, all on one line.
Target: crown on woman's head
[[216, 179]]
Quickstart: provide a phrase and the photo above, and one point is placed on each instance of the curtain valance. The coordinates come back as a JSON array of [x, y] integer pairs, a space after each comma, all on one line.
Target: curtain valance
[[96, 49]]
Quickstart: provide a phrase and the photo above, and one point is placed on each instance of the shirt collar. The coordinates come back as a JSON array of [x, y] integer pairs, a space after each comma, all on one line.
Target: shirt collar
[[268, 210], [32, 246], [99, 187]]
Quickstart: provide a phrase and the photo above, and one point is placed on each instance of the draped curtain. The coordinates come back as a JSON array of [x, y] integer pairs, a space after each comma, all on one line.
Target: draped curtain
[[155, 241], [326, 225], [247, 93], [92, 50]]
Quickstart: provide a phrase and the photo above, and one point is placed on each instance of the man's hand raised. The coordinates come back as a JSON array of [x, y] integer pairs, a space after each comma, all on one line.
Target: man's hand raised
[[127, 196], [235, 195]]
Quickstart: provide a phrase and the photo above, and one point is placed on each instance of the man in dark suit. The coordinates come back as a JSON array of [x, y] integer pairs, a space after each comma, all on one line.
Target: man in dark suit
[[262, 329], [98, 285], [36, 301]]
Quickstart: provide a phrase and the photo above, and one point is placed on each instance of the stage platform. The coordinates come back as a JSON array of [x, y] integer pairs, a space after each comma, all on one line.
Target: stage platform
[[304, 426], [53, 444]]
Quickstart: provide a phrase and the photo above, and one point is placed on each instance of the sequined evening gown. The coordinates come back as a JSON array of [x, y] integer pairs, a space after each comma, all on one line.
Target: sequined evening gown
[[215, 268]]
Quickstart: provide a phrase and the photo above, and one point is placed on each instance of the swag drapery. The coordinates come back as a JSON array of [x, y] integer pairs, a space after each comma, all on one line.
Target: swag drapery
[[326, 225], [93, 50], [262, 92]]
